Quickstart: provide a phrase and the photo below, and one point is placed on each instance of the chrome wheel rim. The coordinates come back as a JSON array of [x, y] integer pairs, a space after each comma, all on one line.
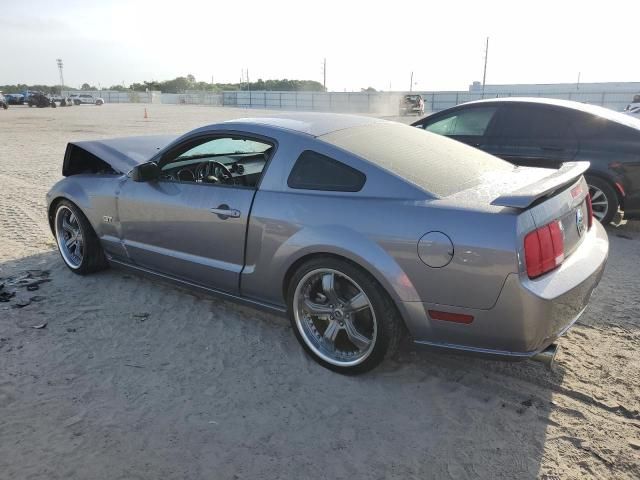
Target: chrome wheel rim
[[335, 317], [599, 203], [69, 237]]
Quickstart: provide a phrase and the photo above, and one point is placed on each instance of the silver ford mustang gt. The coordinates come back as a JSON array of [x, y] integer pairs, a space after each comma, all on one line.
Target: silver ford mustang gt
[[356, 227]]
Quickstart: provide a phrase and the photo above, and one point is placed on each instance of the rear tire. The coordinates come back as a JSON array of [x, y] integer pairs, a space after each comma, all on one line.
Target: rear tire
[[604, 199], [341, 316], [77, 242]]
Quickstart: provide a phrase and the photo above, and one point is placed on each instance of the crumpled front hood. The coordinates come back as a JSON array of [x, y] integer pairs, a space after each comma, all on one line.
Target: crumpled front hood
[[122, 154]]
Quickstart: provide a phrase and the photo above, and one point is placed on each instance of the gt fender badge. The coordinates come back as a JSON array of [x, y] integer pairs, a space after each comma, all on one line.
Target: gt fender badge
[[107, 219]]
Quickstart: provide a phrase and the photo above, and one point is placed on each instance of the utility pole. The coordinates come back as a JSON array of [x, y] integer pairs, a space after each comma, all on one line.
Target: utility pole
[[324, 74], [411, 83], [60, 66], [578, 83], [484, 73]]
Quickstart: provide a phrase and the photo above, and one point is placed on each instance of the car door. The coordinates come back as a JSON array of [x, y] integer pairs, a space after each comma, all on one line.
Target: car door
[[533, 135], [468, 125], [189, 228]]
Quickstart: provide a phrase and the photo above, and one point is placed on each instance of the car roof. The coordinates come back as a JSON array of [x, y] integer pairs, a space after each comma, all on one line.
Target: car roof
[[314, 124], [569, 104]]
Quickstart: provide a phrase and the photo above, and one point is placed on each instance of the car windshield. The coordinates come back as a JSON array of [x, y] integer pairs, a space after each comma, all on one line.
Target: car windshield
[[434, 163], [224, 146]]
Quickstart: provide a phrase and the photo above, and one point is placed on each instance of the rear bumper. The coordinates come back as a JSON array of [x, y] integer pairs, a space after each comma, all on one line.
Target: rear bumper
[[528, 315]]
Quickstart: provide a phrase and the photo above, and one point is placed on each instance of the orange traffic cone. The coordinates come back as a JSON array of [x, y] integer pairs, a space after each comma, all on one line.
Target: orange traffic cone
[[145, 114]]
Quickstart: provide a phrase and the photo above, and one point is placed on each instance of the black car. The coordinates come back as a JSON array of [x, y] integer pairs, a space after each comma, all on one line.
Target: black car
[[40, 100], [540, 132]]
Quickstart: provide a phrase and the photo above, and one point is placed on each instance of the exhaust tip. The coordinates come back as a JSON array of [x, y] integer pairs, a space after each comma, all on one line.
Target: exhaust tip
[[547, 356]]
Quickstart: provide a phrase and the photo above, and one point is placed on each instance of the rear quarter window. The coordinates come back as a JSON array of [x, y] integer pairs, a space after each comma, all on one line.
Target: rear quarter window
[[593, 127], [434, 163], [314, 171]]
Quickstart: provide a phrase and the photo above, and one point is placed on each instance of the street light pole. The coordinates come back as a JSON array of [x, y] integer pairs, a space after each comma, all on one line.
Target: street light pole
[[59, 62], [411, 84], [484, 73], [324, 74]]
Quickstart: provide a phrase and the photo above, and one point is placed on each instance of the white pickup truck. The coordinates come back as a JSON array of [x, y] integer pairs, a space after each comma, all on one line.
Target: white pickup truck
[[85, 98]]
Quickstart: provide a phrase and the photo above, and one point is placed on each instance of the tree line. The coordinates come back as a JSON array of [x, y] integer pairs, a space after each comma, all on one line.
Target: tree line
[[181, 85]]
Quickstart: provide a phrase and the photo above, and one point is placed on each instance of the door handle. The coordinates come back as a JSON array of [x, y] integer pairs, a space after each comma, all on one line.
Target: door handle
[[223, 211], [552, 149]]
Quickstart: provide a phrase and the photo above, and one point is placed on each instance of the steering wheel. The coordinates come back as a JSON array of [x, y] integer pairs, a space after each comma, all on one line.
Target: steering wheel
[[213, 172]]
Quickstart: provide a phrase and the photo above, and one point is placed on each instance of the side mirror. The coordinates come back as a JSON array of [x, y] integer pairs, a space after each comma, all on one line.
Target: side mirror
[[146, 172]]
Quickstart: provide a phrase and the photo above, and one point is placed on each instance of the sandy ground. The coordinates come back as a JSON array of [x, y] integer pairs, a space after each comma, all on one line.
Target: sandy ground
[[135, 379]]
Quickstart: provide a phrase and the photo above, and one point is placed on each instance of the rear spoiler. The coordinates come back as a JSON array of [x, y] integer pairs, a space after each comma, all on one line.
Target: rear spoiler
[[525, 196]]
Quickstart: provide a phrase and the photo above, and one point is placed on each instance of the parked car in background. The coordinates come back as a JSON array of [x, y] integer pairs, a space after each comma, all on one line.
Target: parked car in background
[[14, 98], [412, 104], [62, 100], [355, 226], [86, 99], [40, 100], [539, 132], [634, 103], [3, 102]]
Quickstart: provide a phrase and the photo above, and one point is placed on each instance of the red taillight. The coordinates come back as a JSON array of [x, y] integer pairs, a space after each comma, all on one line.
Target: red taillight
[[544, 249], [589, 212]]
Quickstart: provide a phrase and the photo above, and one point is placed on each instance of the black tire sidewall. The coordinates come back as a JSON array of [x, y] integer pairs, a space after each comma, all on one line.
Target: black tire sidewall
[[386, 317], [609, 193], [93, 258]]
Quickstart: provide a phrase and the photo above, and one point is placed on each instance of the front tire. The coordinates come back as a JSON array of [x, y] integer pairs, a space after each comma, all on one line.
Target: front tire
[[77, 242], [341, 316], [604, 199]]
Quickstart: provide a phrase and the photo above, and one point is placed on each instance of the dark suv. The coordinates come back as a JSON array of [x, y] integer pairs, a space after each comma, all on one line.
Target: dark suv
[[541, 132]]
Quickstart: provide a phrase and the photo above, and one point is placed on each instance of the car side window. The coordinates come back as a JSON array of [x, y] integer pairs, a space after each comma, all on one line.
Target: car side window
[[534, 122], [469, 122], [220, 160], [314, 171], [592, 127]]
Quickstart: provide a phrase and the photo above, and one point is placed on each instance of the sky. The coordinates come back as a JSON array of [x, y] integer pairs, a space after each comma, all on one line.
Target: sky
[[366, 44]]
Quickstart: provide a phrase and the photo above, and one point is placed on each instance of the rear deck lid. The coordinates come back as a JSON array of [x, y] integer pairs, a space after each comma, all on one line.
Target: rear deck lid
[[526, 195]]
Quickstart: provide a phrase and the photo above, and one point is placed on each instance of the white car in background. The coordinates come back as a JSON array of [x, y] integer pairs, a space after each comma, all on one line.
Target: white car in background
[[85, 98], [633, 109]]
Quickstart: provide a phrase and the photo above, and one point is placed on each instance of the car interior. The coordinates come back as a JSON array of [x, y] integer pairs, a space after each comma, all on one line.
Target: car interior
[[225, 161]]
